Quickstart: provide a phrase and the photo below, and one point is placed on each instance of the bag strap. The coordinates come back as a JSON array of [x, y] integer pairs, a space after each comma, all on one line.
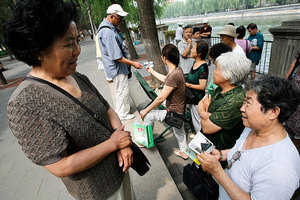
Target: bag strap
[[94, 115], [120, 45]]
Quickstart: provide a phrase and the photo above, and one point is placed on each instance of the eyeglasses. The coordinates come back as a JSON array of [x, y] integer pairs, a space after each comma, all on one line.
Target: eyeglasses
[[118, 18], [234, 158]]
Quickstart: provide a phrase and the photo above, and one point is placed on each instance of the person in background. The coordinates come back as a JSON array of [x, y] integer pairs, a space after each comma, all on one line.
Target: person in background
[[230, 23], [54, 131], [257, 42], [205, 32], [115, 60], [174, 92], [178, 33], [221, 120], [214, 52], [227, 36], [196, 81], [196, 34], [245, 44], [184, 47], [91, 34], [264, 163], [292, 125]]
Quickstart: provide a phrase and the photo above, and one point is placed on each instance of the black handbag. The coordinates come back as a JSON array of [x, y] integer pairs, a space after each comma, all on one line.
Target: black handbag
[[200, 183], [174, 119], [189, 95], [140, 162]]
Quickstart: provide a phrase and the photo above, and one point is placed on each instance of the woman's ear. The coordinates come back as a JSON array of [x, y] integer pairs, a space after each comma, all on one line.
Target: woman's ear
[[273, 113], [163, 59]]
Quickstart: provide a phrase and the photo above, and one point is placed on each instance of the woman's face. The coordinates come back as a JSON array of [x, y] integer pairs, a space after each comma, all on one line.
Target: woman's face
[[60, 58], [218, 78], [194, 52], [252, 115]]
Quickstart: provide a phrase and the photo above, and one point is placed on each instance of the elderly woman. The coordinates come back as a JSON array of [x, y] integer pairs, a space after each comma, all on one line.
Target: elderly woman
[[264, 163], [173, 91], [53, 130], [220, 112]]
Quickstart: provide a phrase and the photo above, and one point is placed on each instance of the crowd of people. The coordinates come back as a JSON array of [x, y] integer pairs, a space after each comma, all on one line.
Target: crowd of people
[[248, 122]]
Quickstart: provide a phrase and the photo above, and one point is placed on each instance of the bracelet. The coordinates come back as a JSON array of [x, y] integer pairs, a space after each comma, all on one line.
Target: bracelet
[[221, 155], [190, 85]]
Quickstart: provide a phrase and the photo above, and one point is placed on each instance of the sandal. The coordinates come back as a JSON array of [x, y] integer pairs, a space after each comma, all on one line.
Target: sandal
[[181, 154]]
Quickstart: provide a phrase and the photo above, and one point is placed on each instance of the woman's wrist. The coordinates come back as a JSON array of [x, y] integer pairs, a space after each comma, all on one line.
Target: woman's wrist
[[221, 155]]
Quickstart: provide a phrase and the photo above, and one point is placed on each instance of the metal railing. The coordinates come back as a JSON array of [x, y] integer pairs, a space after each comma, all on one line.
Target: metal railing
[[263, 66]]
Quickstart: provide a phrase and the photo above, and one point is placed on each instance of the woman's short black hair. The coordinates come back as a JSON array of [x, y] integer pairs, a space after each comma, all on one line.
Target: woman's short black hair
[[217, 49], [275, 92], [195, 30], [171, 53], [241, 30], [34, 26], [202, 48]]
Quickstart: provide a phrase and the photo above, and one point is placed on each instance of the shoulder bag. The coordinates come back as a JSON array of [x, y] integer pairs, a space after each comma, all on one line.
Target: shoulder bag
[[140, 162], [200, 183], [174, 119]]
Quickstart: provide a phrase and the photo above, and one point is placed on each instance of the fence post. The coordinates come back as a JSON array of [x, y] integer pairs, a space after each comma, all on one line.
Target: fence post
[[285, 44]]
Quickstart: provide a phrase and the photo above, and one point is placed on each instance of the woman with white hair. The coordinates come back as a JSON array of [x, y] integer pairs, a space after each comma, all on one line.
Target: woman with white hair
[[220, 112]]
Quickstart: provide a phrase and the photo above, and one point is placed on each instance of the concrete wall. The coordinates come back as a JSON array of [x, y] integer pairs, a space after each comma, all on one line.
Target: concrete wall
[[285, 44]]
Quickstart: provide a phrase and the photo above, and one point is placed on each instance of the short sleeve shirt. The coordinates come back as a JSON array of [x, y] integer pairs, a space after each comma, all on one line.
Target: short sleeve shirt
[[268, 172], [208, 29], [193, 77], [176, 100], [112, 49], [49, 126], [245, 44], [256, 40], [225, 113], [185, 63], [179, 32]]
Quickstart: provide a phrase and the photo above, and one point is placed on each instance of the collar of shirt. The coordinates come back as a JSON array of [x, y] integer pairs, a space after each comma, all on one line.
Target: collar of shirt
[[228, 94], [107, 23]]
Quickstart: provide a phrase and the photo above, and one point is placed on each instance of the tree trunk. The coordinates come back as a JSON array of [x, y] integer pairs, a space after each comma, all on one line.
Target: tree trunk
[[149, 34], [129, 43], [2, 79]]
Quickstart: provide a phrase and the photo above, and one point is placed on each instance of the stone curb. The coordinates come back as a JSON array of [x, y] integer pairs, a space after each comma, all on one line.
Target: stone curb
[[157, 183]]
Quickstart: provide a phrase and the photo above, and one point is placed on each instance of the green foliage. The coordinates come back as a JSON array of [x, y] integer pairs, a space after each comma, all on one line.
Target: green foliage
[[197, 7], [5, 10], [98, 10], [170, 34]]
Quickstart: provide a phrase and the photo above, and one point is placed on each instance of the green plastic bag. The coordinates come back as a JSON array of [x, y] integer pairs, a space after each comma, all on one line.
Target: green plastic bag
[[143, 135]]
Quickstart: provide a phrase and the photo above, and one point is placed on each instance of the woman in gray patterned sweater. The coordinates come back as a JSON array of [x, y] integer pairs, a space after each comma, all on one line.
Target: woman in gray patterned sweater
[[53, 130]]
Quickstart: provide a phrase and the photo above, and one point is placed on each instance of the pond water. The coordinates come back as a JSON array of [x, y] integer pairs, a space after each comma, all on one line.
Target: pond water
[[264, 23]]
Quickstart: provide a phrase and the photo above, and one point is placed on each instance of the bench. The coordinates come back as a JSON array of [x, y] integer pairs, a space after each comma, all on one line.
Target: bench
[[152, 95]]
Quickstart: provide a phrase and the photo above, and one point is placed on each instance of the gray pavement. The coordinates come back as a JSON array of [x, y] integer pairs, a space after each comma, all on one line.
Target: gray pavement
[[21, 179]]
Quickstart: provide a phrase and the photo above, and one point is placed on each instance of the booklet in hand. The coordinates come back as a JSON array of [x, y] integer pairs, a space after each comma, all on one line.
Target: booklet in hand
[[200, 143]]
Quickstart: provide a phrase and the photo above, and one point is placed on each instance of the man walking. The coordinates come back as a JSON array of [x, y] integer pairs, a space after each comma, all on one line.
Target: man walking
[[115, 59], [257, 42]]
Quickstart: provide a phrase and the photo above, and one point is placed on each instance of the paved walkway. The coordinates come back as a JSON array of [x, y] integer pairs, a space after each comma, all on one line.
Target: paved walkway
[[21, 179]]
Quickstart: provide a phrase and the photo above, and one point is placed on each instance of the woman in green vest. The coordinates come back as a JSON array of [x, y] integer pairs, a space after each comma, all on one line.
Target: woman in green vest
[[196, 81]]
